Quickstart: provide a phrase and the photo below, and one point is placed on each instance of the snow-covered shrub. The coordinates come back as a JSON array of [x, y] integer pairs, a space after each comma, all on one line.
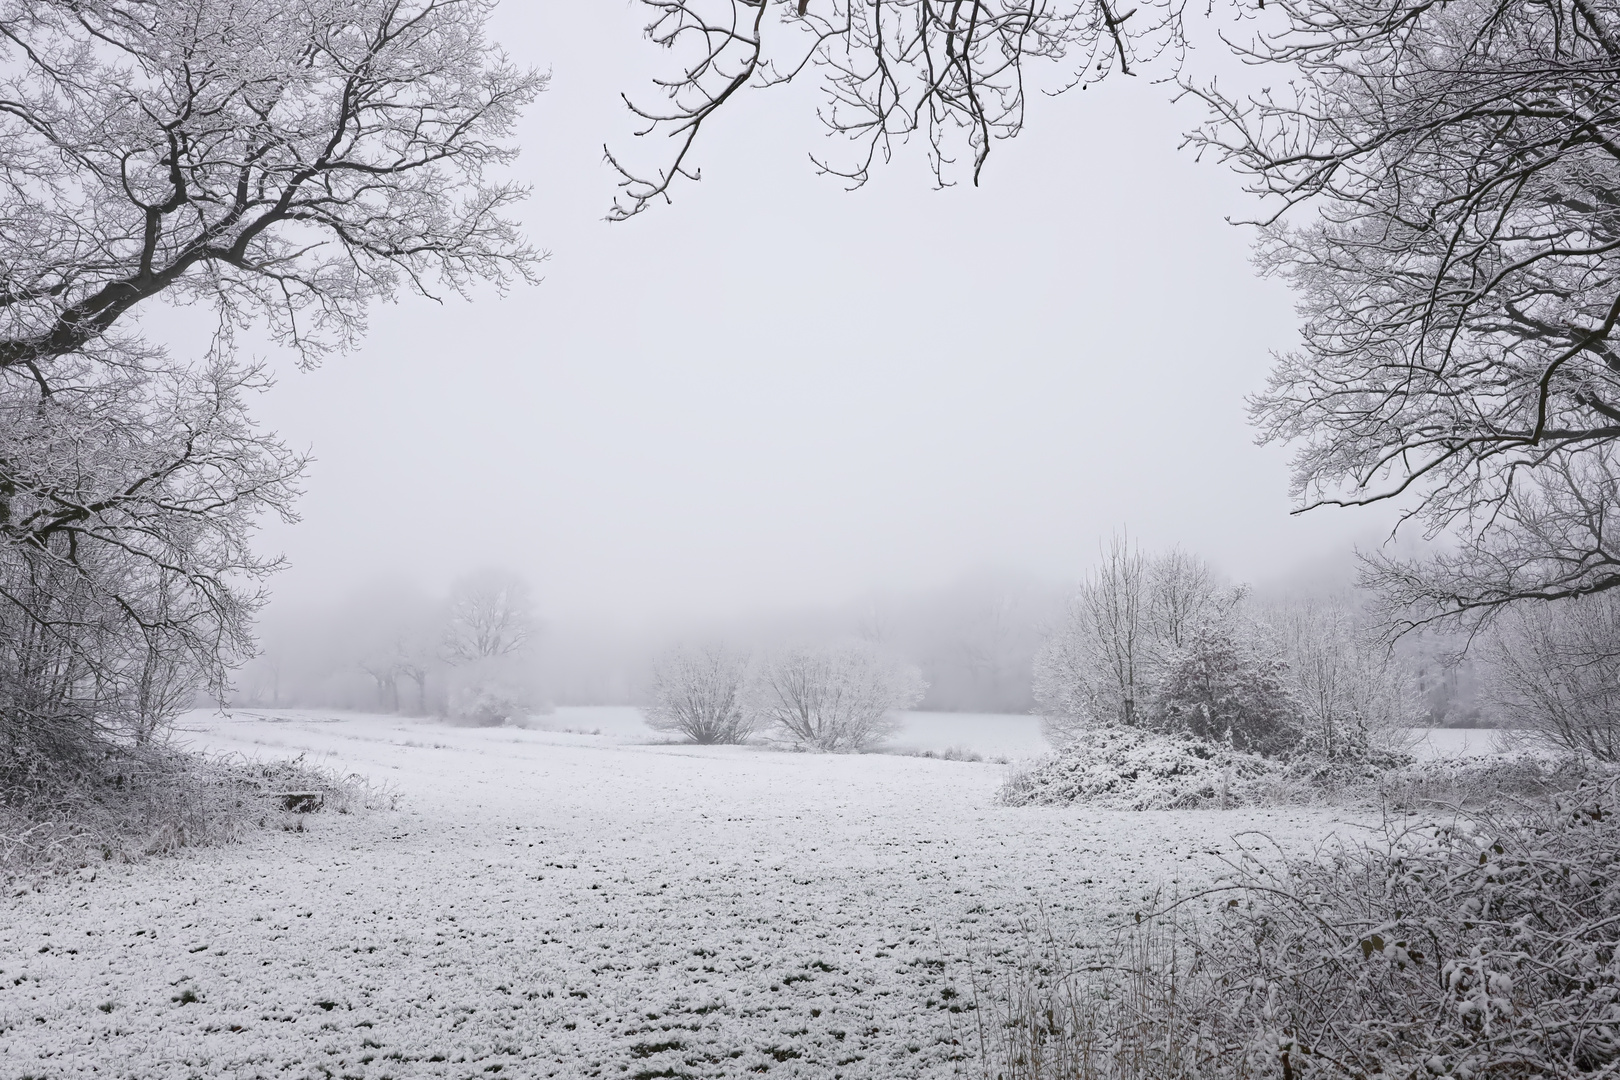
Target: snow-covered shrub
[[140, 801], [698, 693], [841, 699], [1485, 781], [1133, 769], [1483, 945], [492, 692], [1226, 685]]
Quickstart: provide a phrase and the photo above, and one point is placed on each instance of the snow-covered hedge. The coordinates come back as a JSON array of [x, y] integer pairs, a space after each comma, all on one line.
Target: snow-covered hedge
[[1136, 769], [1133, 769]]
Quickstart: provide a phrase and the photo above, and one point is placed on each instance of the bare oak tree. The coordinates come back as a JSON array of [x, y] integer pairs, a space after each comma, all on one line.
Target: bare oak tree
[[490, 617], [1455, 168], [285, 165]]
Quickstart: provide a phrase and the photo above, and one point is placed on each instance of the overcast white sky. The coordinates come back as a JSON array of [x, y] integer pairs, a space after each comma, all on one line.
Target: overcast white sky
[[776, 392]]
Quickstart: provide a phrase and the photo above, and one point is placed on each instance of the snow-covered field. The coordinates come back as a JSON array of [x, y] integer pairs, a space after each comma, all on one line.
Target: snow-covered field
[[545, 903]]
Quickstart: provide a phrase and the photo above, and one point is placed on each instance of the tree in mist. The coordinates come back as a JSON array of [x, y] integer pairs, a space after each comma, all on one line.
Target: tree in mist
[[282, 165], [1101, 666], [1554, 675], [839, 699], [487, 632], [490, 617], [699, 693]]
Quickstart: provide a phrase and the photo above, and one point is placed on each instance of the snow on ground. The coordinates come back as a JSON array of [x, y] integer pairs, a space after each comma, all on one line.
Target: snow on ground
[[547, 903]]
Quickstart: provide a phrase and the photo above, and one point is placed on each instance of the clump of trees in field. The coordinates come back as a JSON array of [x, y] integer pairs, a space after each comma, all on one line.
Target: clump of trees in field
[[471, 655], [1158, 643]]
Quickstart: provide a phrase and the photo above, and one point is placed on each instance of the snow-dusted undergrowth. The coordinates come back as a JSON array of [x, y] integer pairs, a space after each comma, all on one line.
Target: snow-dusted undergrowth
[[1135, 769], [549, 904]]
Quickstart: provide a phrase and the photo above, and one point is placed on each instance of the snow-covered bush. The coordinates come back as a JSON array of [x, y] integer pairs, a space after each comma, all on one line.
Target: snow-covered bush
[[698, 693], [840, 699], [1482, 945], [1133, 769], [1225, 685], [492, 692]]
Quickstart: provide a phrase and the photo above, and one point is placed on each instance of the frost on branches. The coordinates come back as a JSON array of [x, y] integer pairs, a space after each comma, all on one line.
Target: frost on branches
[[283, 164], [1455, 168], [699, 693]]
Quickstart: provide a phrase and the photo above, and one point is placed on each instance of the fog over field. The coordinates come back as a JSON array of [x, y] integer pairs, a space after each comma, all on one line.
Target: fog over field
[[782, 396], [684, 539]]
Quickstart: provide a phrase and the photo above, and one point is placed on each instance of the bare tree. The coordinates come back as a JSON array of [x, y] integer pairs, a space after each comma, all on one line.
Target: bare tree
[[953, 74], [486, 636], [489, 617], [1457, 279], [1554, 675], [1183, 595], [699, 693], [1355, 698], [1094, 670], [285, 165], [834, 700], [126, 579]]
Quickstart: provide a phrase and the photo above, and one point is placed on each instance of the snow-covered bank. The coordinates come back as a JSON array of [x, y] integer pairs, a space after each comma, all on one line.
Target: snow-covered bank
[[555, 904]]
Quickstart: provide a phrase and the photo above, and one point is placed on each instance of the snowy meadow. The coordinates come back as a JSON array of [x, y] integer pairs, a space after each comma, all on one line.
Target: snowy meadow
[[563, 903]]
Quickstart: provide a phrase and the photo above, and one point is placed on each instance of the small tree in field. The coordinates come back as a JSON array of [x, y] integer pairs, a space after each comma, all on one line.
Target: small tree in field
[[1227, 686], [835, 700], [698, 693]]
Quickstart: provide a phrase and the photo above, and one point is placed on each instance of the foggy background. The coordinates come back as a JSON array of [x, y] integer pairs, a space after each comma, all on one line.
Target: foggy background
[[777, 410]]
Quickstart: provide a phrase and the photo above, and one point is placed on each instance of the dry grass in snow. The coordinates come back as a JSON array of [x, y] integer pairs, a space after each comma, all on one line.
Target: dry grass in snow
[[553, 904]]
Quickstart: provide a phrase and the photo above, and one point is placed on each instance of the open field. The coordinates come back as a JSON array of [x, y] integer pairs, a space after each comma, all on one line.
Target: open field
[[545, 903]]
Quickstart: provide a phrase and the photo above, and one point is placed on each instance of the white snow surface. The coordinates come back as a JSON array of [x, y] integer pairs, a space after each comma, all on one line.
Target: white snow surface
[[544, 903]]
